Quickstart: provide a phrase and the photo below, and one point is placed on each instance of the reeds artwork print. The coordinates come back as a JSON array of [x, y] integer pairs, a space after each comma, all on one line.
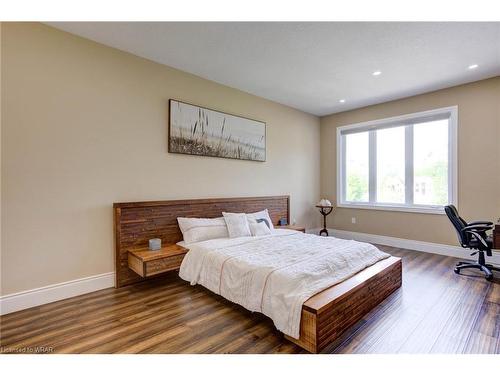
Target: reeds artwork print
[[196, 130]]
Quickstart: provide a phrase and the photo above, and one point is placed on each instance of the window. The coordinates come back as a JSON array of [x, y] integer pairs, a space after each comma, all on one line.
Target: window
[[405, 163], [357, 167]]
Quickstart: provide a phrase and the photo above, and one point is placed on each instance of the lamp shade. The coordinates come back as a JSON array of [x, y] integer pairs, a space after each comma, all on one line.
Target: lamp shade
[[325, 203]]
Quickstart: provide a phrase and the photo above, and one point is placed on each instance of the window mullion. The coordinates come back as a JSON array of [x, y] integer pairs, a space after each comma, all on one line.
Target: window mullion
[[372, 166], [409, 165], [343, 169]]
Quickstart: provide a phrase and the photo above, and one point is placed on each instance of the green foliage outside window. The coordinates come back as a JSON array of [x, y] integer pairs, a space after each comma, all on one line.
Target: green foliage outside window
[[357, 188], [438, 172]]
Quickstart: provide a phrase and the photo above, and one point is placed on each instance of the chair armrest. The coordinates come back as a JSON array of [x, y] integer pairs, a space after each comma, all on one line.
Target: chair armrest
[[477, 228], [478, 237], [481, 223]]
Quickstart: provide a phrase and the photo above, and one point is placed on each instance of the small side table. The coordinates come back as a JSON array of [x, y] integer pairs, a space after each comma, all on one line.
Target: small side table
[[147, 262], [325, 211], [292, 227], [496, 237]]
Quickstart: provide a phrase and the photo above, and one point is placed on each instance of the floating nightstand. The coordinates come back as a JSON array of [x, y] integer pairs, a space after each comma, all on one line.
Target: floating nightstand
[[147, 262]]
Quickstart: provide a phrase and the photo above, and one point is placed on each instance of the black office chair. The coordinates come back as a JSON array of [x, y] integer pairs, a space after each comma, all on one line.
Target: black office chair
[[473, 236]]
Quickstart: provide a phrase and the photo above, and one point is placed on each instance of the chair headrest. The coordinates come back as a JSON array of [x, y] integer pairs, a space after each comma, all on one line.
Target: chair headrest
[[451, 211]]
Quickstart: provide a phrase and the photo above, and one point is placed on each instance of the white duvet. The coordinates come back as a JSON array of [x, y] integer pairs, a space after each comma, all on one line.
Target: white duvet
[[275, 274]]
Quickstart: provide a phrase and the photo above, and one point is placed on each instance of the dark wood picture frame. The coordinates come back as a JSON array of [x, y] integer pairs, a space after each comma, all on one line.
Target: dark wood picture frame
[[174, 149]]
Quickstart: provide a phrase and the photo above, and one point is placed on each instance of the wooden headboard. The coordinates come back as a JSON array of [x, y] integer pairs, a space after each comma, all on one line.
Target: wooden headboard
[[137, 222]]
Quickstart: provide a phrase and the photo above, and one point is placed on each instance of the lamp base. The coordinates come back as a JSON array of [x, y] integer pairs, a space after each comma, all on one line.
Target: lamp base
[[324, 230]]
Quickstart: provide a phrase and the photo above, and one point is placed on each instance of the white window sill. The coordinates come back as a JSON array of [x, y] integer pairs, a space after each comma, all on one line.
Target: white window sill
[[414, 209]]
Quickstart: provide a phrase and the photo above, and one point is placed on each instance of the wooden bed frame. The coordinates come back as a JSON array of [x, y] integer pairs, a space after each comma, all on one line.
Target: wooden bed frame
[[325, 316]]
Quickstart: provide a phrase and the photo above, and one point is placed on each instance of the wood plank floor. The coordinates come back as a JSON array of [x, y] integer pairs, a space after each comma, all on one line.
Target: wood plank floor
[[435, 311]]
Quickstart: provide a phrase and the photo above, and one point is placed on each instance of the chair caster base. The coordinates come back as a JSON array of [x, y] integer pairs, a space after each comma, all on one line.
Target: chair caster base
[[485, 268]]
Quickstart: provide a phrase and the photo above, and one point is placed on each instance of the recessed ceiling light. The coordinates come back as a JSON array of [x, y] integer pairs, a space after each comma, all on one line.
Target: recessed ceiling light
[[377, 73], [473, 66], [342, 101]]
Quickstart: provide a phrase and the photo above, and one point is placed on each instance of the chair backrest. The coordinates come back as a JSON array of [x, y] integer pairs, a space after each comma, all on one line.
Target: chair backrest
[[458, 223]]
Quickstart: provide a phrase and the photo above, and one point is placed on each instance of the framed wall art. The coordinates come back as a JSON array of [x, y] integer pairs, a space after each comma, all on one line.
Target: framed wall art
[[196, 130]]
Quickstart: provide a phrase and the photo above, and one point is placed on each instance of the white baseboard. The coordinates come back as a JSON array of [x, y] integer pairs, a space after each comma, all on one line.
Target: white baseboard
[[55, 292], [427, 247]]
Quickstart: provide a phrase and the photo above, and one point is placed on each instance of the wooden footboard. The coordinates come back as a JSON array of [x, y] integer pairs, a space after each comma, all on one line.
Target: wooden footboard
[[327, 315]]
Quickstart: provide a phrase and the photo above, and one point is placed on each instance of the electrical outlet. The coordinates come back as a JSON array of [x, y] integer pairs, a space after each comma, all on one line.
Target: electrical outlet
[[353, 220]]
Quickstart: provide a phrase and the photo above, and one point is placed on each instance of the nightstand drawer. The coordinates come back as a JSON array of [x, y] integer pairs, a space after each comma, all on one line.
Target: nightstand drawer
[[162, 265], [146, 262], [292, 227]]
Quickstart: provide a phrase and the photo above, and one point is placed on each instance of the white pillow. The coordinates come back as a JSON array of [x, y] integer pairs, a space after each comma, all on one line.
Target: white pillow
[[197, 229], [237, 225], [259, 229], [264, 214]]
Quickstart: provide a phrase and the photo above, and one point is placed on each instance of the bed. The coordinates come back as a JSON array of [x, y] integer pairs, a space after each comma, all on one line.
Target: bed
[[320, 310]]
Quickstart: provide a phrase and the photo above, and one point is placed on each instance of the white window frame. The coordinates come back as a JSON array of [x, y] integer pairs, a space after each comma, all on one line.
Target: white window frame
[[450, 112]]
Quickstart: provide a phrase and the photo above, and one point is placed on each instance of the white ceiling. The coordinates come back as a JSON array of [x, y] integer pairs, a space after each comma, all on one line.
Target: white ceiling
[[311, 66]]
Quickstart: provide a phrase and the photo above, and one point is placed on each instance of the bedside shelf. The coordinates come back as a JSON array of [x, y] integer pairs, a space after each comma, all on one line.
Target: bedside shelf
[[292, 227], [147, 262], [496, 237]]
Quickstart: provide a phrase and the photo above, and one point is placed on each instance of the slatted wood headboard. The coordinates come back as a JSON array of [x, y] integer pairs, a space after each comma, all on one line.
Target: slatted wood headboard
[[137, 222]]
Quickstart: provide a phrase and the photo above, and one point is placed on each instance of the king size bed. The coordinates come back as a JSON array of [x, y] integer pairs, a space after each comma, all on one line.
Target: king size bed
[[313, 288]]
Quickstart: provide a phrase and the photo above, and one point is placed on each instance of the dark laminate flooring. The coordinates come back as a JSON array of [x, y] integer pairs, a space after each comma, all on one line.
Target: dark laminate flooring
[[435, 311]]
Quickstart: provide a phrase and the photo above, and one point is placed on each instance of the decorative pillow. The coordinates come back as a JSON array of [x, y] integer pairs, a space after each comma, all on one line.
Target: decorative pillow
[[265, 221], [237, 225], [264, 214], [198, 229], [259, 228]]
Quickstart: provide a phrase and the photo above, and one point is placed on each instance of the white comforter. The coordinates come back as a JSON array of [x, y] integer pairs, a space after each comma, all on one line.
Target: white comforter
[[275, 274]]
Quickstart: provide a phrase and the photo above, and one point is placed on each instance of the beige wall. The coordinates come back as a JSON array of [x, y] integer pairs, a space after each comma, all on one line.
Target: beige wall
[[478, 162], [1, 25], [85, 125]]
